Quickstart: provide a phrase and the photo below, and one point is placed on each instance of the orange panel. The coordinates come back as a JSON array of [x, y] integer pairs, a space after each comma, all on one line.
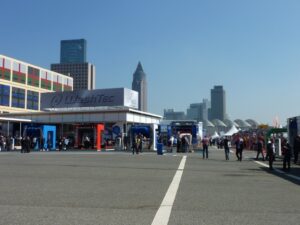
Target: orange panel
[[100, 129]]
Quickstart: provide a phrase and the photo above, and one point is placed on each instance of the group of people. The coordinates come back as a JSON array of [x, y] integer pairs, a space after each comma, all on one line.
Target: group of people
[[181, 141], [9, 143], [206, 142], [286, 150], [63, 143], [25, 144], [6, 143], [270, 150]]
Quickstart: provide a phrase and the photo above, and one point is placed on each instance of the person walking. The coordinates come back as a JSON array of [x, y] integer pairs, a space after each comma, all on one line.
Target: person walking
[[135, 144], [12, 140], [140, 143], [27, 144], [286, 151], [175, 143], [178, 143], [260, 150], [226, 148], [271, 152], [239, 145], [49, 144], [60, 143], [8, 143], [23, 140], [42, 148], [205, 142], [296, 148]]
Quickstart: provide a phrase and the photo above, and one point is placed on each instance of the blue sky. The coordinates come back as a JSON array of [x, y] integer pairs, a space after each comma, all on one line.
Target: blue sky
[[251, 47]]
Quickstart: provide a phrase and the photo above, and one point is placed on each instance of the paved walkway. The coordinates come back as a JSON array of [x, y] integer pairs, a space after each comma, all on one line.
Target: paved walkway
[[118, 188], [293, 174]]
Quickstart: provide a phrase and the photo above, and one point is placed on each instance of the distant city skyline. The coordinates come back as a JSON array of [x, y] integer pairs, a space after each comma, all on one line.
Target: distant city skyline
[[252, 48]]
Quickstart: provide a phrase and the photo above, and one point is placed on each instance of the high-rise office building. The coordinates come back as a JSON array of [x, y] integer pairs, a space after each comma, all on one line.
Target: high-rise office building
[[139, 84], [195, 112], [218, 103], [198, 111], [73, 63], [73, 51], [83, 74], [205, 107]]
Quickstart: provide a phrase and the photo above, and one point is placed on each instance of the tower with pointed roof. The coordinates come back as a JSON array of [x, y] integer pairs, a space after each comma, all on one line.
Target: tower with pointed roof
[[139, 84]]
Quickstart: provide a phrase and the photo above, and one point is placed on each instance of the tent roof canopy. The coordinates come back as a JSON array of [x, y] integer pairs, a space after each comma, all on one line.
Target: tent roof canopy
[[233, 130]]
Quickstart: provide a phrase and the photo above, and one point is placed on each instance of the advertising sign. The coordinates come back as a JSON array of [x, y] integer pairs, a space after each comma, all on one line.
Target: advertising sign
[[90, 98]]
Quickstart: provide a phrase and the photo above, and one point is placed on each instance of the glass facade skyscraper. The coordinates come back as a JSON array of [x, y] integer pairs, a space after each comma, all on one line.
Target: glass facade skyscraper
[[73, 51], [73, 63], [218, 103]]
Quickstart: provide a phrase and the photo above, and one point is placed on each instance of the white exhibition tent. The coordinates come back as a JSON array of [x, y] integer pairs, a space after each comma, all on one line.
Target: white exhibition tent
[[215, 135], [233, 130]]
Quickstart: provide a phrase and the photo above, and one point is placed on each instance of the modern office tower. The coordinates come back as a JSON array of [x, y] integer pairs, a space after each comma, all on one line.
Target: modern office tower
[[73, 63], [198, 111], [21, 85], [205, 107], [73, 51], [170, 114], [195, 112], [218, 103], [139, 84], [83, 74]]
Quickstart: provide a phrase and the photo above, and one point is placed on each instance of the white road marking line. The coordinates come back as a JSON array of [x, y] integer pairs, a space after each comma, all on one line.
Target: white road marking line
[[279, 171], [163, 213]]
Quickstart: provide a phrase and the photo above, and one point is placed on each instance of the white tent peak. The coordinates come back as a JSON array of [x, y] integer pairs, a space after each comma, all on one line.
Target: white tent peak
[[233, 130], [215, 135]]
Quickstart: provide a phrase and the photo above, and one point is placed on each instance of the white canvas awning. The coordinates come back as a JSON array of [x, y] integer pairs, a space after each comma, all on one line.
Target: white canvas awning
[[215, 135], [233, 130]]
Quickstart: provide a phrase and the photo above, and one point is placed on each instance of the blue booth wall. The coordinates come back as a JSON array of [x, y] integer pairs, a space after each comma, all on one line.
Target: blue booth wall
[[49, 132]]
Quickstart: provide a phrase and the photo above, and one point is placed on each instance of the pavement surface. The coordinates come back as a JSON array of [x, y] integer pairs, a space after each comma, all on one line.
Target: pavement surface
[[114, 188]]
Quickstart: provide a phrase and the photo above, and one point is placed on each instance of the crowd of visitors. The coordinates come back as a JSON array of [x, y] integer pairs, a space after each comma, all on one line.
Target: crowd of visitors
[[265, 151], [26, 144], [6, 143]]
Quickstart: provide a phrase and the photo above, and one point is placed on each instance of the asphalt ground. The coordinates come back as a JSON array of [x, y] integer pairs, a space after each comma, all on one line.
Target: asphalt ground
[[120, 188]]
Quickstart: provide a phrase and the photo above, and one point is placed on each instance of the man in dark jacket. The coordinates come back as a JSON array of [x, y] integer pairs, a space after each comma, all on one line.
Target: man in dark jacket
[[226, 148], [286, 151], [27, 144], [239, 145], [23, 142], [271, 151], [260, 150], [296, 148]]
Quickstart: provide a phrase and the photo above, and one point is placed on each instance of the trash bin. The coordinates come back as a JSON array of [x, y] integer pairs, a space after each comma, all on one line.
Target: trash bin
[[159, 149]]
